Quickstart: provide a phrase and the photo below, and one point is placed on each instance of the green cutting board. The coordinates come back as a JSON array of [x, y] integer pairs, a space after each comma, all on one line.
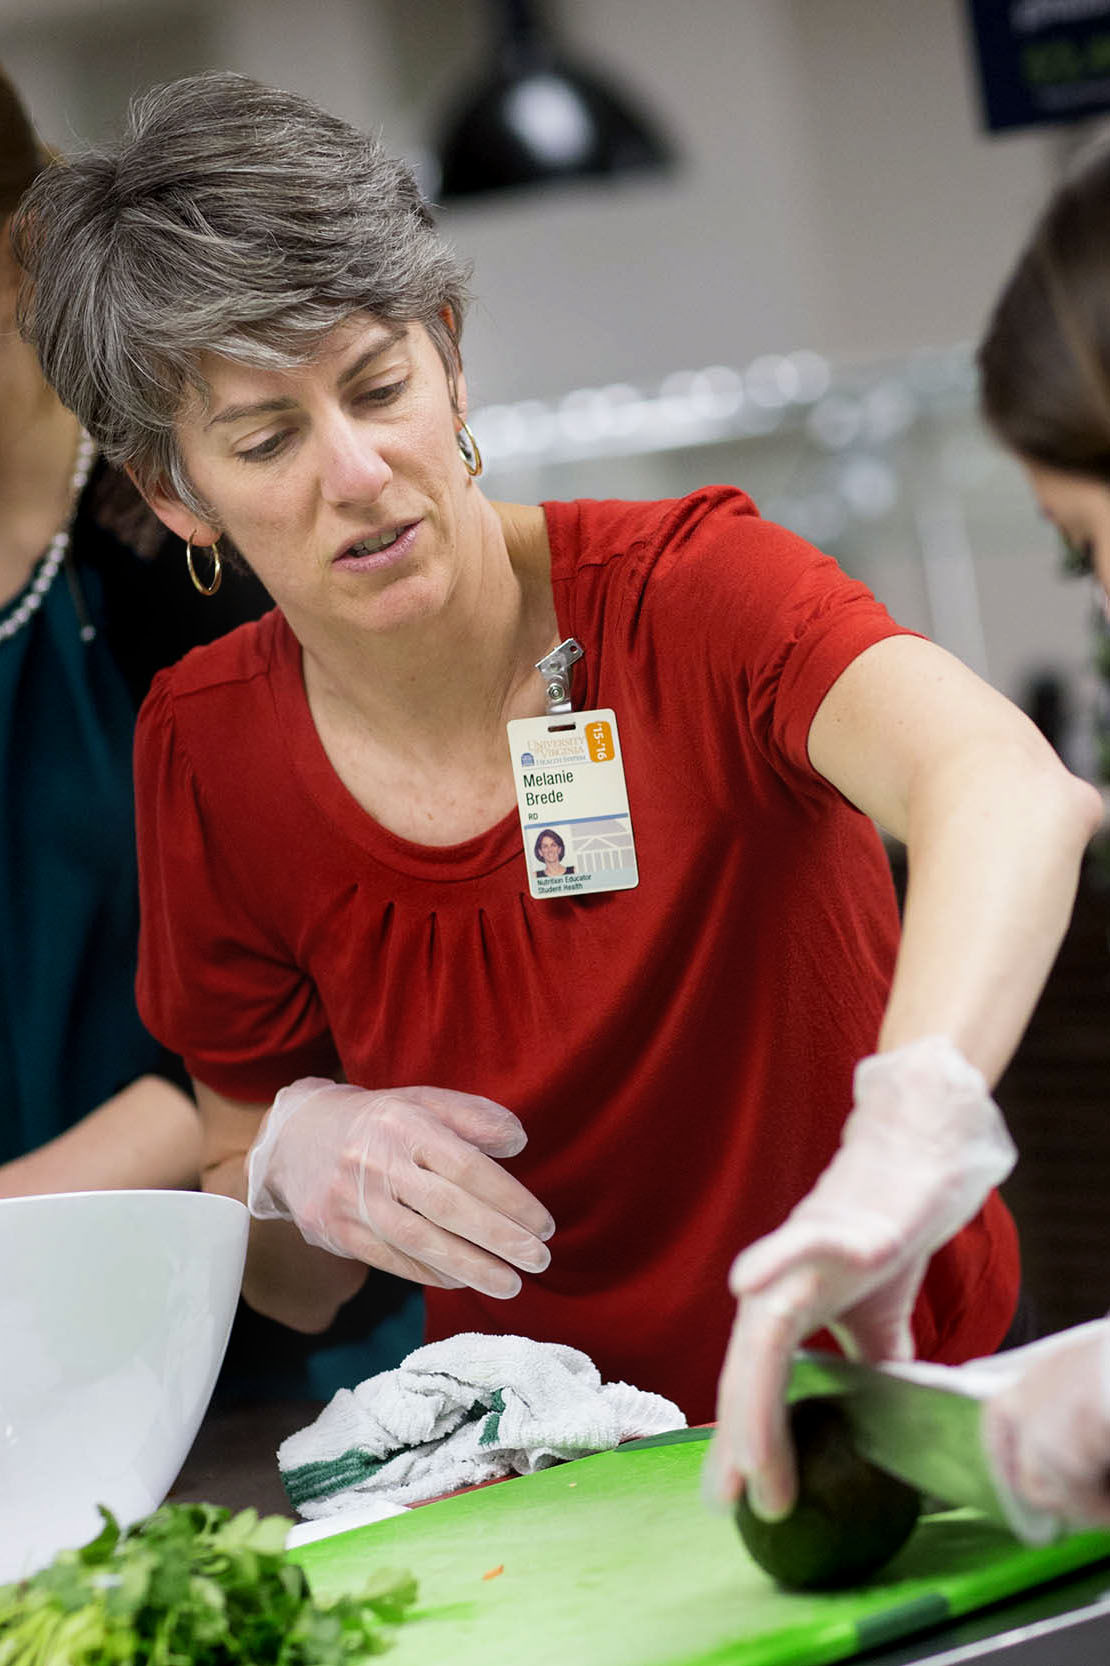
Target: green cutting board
[[614, 1561]]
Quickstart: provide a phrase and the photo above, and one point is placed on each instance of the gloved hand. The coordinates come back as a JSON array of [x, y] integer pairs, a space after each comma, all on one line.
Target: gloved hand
[[1047, 1434], [921, 1149], [403, 1179]]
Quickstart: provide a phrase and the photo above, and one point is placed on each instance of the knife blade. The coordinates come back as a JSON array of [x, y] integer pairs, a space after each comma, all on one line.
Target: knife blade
[[915, 1422]]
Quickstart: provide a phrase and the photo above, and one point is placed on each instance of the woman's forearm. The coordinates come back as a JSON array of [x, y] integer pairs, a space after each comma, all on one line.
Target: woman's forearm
[[994, 827], [147, 1135], [285, 1278], [994, 838]]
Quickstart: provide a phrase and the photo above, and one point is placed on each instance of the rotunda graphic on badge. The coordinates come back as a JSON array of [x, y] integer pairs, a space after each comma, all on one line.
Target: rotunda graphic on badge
[[550, 849]]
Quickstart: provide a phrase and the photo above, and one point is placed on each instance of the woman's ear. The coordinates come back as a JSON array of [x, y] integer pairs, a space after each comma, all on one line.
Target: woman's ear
[[173, 513], [455, 375], [9, 279]]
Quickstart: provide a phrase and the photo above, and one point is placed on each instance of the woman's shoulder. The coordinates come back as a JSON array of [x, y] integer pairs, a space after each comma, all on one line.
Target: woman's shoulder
[[709, 549], [204, 703], [210, 751], [257, 649], [714, 532], [591, 530]]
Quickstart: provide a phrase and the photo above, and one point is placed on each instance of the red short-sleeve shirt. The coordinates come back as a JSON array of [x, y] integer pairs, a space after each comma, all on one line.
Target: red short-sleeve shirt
[[681, 1053]]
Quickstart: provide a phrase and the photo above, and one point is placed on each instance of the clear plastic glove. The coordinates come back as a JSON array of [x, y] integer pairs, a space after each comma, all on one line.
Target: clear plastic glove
[[404, 1179], [1047, 1433], [919, 1153]]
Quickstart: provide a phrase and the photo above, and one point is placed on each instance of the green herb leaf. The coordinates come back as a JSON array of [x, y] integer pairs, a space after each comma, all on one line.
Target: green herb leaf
[[192, 1585]]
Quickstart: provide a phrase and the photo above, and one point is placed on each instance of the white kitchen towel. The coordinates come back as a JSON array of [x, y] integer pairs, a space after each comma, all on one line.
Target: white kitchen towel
[[471, 1408]]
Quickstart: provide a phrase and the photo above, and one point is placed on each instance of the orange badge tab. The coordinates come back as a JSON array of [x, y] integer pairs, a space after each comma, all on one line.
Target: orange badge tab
[[599, 741]]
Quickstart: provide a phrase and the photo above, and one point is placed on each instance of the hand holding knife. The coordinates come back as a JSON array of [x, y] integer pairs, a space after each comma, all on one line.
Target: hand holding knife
[[925, 1424]]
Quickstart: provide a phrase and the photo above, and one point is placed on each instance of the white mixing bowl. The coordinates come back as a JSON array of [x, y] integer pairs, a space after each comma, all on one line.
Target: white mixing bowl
[[115, 1309]]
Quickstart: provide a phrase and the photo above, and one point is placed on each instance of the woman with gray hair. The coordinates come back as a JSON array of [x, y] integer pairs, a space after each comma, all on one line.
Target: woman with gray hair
[[250, 308]]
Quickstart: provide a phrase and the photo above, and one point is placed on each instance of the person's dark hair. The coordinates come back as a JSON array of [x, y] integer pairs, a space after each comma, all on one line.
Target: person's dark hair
[[231, 218], [549, 833], [1044, 361], [21, 154]]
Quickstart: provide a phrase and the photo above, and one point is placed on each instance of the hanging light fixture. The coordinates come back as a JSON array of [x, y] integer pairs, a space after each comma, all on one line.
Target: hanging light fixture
[[539, 118]]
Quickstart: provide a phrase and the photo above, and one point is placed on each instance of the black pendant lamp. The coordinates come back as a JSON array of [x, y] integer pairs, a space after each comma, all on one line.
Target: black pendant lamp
[[539, 118]]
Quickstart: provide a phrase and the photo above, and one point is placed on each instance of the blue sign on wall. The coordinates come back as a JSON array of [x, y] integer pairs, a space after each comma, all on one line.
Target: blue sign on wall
[[1041, 60]]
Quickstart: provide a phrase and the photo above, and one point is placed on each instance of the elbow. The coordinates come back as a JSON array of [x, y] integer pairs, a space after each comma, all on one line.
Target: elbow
[[1096, 809], [1080, 809], [1059, 811], [295, 1283], [311, 1317]]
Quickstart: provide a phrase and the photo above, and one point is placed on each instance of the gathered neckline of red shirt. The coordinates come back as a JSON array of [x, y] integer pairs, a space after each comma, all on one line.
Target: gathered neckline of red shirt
[[473, 858]]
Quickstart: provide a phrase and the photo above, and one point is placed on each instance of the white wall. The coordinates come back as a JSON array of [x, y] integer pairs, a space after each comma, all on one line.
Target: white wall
[[835, 192], [918, 212], [636, 279]]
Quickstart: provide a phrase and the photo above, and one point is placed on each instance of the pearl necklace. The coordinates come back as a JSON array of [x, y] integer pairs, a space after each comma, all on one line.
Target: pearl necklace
[[56, 550]]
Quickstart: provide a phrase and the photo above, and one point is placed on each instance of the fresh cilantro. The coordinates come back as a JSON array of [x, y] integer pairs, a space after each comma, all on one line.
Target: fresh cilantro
[[192, 1585]]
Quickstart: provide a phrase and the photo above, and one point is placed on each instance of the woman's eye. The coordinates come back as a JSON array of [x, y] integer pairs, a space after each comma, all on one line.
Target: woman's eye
[[268, 447], [383, 395], [1079, 555]]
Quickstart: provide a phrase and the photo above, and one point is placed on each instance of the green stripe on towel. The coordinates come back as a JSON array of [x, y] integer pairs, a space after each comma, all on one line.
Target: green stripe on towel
[[327, 1476], [493, 1422], [331, 1475]]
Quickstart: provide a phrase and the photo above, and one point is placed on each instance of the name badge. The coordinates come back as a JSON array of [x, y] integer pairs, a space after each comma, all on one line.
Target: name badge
[[573, 804]]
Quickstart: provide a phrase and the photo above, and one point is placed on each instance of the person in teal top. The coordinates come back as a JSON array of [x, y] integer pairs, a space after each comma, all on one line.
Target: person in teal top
[[95, 597], [70, 1038], [87, 1097]]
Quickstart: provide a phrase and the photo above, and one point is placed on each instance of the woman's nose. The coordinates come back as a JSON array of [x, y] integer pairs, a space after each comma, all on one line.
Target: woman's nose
[[352, 468]]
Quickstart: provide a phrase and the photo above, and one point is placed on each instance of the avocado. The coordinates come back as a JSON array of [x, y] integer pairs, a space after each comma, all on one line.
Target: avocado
[[850, 1517]]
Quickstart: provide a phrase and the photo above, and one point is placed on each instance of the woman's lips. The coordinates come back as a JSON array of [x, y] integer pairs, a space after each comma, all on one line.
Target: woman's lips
[[374, 561]]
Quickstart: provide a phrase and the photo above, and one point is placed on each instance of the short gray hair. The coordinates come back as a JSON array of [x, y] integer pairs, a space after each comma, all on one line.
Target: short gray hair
[[231, 218]]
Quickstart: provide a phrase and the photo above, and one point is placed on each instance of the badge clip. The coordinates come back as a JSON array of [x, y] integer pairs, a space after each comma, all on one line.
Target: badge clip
[[554, 668]]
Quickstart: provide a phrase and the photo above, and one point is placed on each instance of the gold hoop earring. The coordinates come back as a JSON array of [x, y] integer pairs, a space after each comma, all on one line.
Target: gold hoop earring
[[468, 450], [217, 566]]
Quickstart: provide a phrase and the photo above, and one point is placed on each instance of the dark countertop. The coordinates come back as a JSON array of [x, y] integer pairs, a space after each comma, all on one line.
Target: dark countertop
[[233, 1460], [1066, 1623]]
